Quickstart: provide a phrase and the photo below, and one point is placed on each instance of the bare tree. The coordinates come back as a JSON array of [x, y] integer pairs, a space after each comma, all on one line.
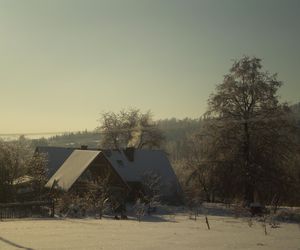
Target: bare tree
[[151, 185], [149, 196], [130, 128], [201, 166], [99, 194]]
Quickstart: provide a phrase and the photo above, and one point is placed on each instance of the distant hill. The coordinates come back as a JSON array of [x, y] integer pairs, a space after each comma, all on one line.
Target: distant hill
[[91, 139], [174, 131]]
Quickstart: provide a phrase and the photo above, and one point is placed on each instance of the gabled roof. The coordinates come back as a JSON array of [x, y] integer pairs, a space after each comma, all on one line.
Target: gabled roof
[[145, 162], [72, 168], [56, 156]]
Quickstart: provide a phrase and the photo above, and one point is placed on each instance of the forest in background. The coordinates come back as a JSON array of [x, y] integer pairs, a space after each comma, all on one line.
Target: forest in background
[[174, 130]]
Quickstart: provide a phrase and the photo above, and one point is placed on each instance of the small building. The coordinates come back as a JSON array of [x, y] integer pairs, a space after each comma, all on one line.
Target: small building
[[70, 168]]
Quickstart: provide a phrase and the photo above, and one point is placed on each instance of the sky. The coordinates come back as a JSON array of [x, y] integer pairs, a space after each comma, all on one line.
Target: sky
[[64, 62]]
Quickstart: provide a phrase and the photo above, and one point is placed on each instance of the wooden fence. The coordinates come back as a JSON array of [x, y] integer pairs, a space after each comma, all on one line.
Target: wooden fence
[[27, 209]]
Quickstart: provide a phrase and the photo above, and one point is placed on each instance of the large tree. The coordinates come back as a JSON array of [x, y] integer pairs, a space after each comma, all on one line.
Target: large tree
[[129, 128], [251, 130]]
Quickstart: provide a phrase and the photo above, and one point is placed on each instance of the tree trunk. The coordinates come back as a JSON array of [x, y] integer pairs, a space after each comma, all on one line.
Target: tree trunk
[[249, 183]]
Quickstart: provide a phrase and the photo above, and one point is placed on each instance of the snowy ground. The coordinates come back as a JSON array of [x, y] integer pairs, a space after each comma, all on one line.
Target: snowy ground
[[159, 232]]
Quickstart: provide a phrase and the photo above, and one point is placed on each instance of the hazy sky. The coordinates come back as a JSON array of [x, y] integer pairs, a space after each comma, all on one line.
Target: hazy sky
[[63, 62]]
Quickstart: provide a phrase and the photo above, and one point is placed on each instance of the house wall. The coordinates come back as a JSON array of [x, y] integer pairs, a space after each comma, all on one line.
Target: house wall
[[99, 170]]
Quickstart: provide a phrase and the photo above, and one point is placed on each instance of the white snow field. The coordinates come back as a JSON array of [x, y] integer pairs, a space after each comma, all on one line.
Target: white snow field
[[163, 232]]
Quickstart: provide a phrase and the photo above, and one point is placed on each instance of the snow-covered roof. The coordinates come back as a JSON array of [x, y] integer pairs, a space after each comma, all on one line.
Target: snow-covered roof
[[56, 156], [66, 165], [145, 162], [72, 168]]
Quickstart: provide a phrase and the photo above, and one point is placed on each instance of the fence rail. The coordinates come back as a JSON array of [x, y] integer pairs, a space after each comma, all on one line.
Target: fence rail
[[27, 209]]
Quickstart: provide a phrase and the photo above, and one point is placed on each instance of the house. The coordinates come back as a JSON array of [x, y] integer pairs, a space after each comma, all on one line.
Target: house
[[69, 167]]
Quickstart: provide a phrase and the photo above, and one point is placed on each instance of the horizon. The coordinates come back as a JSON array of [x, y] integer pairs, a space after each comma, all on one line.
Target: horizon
[[65, 62], [71, 131]]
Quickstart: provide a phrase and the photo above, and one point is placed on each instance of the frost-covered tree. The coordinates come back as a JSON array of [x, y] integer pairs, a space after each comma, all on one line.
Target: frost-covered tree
[[13, 159], [37, 170], [130, 128], [251, 131]]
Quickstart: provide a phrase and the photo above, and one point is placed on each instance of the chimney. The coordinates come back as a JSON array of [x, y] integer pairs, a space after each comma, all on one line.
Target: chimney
[[129, 152]]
